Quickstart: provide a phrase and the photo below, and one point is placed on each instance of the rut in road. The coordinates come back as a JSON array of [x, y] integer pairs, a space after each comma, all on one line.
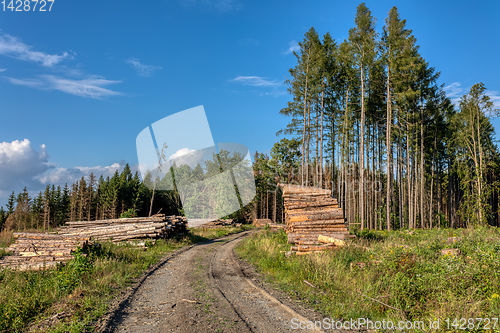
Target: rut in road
[[203, 289]]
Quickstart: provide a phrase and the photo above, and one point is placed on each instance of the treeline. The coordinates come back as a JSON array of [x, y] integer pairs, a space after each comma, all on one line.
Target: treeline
[[87, 199], [371, 119]]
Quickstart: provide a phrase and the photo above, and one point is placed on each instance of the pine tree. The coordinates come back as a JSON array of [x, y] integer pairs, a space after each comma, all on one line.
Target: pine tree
[[11, 203], [3, 218], [474, 143], [362, 38]]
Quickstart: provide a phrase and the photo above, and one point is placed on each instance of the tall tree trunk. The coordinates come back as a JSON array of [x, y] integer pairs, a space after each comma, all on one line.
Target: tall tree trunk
[[305, 110], [308, 142], [316, 176], [408, 173], [480, 180], [431, 209], [362, 152], [389, 151], [422, 171], [321, 143]]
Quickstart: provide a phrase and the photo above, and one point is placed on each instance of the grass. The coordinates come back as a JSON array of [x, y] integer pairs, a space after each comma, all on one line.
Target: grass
[[6, 239], [405, 276], [73, 297]]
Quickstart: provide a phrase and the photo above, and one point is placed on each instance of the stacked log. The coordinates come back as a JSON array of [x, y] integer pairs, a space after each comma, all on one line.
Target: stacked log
[[310, 213], [220, 223], [261, 222], [41, 250], [117, 230], [267, 222]]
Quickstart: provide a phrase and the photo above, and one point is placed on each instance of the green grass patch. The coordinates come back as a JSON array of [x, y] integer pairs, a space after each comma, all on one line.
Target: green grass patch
[[405, 276], [79, 293]]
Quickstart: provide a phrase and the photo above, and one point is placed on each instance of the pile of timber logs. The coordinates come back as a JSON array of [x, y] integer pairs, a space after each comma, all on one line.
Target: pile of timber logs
[[261, 222], [310, 213], [220, 223], [267, 222], [157, 226], [41, 250]]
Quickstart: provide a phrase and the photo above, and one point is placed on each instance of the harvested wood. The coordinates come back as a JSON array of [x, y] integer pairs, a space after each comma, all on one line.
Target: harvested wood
[[32, 250], [333, 214], [327, 239], [310, 213], [313, 236], [276, 225], [309, 284], [308, 252], [41, 250], [307, 242], [116, 230], [261, 222], [303, 248], [212, 224]]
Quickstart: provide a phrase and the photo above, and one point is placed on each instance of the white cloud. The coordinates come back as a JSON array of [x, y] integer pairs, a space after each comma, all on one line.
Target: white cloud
[[266, 87], [13, 47], [191, 157], [23, 166], [256, 81], [20, 164], [91, 86], [61, 176], [494, 97], [455, 91], [142, 69], [72, 81], [293, 47], [181, 152]]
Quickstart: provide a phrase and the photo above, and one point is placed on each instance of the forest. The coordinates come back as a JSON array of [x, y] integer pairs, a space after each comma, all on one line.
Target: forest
[[123, 194], [368, 116], [367, 119]]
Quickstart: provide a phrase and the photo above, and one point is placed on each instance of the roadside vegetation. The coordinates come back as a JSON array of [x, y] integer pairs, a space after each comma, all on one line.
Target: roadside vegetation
[[391, 275], [73, 297]]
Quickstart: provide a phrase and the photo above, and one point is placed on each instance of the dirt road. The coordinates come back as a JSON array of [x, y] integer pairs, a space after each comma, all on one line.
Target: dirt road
[[206, 288]]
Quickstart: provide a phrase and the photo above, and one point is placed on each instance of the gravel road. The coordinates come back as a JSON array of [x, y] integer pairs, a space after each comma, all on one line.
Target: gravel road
[[206, 288]]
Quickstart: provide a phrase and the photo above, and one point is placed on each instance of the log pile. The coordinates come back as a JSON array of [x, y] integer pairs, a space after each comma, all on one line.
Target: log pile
[[261, 222], [267, 222], [311, 213], [117, 230], [220, 223], [41, 250]]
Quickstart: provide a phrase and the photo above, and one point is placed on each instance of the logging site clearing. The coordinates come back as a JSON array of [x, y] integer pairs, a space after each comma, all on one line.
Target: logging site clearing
[[157, 275], [126, 207]]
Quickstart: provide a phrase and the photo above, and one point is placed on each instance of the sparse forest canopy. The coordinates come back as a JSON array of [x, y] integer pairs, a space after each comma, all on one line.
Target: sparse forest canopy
[[368, 113]]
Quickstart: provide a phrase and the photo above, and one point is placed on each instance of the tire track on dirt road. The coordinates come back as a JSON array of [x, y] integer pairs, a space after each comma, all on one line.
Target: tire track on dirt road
[[204, 289]]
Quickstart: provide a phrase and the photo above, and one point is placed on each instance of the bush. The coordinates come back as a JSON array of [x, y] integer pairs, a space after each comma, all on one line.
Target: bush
[[129, 213], [71, 275]]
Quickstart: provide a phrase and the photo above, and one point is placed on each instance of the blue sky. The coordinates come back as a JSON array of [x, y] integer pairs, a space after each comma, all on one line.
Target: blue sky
[[79, 83]]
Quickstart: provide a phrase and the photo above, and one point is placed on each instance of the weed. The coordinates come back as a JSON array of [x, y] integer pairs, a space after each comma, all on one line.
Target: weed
[[411, 274], [83, 288]]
